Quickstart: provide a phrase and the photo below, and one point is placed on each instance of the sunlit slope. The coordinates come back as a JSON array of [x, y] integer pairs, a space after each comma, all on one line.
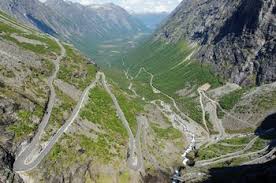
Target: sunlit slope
[[172, 65], [174, 71]]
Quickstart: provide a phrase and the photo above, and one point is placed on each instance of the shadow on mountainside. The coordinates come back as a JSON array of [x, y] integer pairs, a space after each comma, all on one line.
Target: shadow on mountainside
[[265, 173]]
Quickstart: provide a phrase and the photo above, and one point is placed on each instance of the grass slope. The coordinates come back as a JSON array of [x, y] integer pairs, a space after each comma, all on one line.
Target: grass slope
[[163, 60], [173, 70]]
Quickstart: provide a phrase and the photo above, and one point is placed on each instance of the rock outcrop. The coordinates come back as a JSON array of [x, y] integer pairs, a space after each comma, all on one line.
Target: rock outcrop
[[237, 37], [8, 117]]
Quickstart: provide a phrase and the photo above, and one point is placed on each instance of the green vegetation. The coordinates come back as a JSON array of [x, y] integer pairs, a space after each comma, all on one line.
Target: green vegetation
[[166, 61], [75, 69], [131, 107], [191, 106], [100, 110], [259, 145], [106, 147], [169, 133], [65, 154], [61, 111], [24, 126], [49, 66], [243, 130], [163, 60], [124, 177], [107, 51], [118, 77], [142, 87], [234, 145], [39, 49], [265, 101], [228, 101], [216, 150], [13, 21], [13, 28], [52, 46], [238, 141], [6, 29]]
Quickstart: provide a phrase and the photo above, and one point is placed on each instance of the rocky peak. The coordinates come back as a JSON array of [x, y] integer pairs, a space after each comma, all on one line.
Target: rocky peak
[[236, 37]]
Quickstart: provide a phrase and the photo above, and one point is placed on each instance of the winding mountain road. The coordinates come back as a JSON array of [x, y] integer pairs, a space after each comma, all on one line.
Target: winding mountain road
[[19, 164], [193, 125], [134, 162], [226, 157], [190, 128], [22, 162], [227, 113], [212, 109], [203, 112]]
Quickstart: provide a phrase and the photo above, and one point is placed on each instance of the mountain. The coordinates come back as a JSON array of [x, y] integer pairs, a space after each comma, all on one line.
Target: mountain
[[165, 113], [237, 37], [95, 24], [151, 20], [210, 42], [102, 21], [214, 60], [34, 13], [62, 120], [85, 26]]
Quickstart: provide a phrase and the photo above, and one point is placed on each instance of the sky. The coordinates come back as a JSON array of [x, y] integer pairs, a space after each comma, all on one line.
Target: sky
[[138, 6]]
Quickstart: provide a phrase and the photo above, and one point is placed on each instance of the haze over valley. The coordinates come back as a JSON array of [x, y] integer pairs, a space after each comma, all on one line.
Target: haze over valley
[[137, 91]]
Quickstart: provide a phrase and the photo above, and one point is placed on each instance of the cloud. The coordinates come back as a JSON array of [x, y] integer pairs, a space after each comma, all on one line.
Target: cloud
[[149, 5], [139, 6]]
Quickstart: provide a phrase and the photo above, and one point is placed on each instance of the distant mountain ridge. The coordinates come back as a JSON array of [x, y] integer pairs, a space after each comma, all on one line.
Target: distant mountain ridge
[[72, 20], [105, 21], [151, 20]]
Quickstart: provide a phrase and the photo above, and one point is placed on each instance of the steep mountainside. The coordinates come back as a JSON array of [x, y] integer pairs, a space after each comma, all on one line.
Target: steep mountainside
[[103, 21], [35, 13], [236, 37], [210, 42], [62, 120], [215, 62], [98, 27], [85, 26]]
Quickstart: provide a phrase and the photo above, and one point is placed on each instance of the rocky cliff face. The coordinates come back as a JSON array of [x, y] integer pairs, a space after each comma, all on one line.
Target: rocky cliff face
[[237, 37], [33, 12], [7, 113], [24, 69]]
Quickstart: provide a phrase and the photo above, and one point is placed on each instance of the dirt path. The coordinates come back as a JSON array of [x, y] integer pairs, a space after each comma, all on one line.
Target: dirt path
[[203, 112], [188, 128], [211, 108], [227, 156], [195, 125], [267, 157], [240, 155], [227, 113]]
